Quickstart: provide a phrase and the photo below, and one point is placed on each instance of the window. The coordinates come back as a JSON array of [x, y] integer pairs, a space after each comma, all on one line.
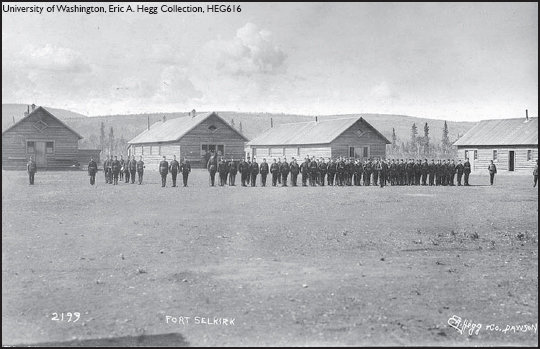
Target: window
[[495, 155], [476, 154], [159, 149], [466, 154], [150, 150], [49, 147], [30, 147], [529, 155], [351, 152], [366, 152], [212, 128]]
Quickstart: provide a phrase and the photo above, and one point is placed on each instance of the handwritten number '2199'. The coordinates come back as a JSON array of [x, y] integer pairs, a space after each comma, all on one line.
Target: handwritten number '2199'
[[67, 318]]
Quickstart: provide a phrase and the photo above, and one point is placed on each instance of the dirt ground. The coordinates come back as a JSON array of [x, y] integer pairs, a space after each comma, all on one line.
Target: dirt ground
[[332, 266]]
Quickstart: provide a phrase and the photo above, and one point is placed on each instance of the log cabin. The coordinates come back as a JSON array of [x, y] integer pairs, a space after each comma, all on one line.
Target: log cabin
[[352, 138], [54, 145]]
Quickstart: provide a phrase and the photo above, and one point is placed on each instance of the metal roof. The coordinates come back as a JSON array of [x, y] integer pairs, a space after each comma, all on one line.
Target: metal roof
[[502, 132], [50, 114], [174, 129], [311, 132]]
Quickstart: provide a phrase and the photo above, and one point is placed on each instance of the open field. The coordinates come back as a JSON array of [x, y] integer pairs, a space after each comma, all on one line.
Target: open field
[[340, 266]]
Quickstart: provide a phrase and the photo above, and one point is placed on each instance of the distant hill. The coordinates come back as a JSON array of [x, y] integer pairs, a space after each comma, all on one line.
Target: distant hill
[[130, 125]]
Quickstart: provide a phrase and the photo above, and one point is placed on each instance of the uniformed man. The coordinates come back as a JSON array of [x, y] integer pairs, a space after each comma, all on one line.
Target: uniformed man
[[313, 169], [212, 168], [243, 168], [438, 172], [174, 168], [254, 172], [115, 167], [232, 168], [140, 169], [431, 170], [492, 171], [132, 168], [304, 169], [295, 170], [248, 178], [126, 169], [122, 164], [185, 168], [367, 172], [402, 172], [222, 170], [264, 170], [425, 171], [349, 170], [444, 172], [323, 169], [393, 172], [274, 170], [31, 168], [417, 172], [284, 170], [164, 171], [459, 170], [92, 170], [332, 169], [466, 171], [452, 171], [106, 164], [279, 173]]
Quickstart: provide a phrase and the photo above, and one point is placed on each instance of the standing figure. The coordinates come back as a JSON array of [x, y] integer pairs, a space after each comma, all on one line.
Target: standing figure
[[304, 170], [284, 170], [279, 171], [243, 168], [248, 174], [313, 169], [126, 169], [264, 169], [115, 167], [31, 167], [140, 168], [164, 171], [122, 164], [466, 171], [174, 168], [295, 170], [431, 171], [222, 170], [492, 171], [211, 167], [105, 169], [452, 172], [232, 168], [332, 168], [92, 170], [459, 170], [132, 168], [424, 171], [254, 172], [185, 168], [323, 169], [274, 170]]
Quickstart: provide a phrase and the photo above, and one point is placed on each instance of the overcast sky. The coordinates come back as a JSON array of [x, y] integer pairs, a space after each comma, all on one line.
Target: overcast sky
[[452, 61]]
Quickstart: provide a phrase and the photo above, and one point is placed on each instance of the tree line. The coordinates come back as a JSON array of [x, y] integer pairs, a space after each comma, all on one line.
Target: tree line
[[108, 143]]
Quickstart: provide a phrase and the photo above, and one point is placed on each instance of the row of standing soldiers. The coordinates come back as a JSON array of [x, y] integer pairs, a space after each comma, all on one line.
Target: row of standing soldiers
[[341, 172], [115, 169]]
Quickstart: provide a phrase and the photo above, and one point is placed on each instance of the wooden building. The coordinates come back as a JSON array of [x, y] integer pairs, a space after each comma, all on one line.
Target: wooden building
[[195, 136], [53, 144], [512, 144], [348, 137]]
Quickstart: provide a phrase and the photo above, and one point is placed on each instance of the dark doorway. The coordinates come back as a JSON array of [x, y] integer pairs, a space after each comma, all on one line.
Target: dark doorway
[[511, 160]]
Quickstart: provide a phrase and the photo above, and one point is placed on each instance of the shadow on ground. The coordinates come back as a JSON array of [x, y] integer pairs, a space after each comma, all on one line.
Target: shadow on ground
[[162, 340]]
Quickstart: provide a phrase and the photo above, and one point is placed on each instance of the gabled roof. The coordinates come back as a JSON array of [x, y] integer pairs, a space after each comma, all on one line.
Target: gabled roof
[[174, 129], [502, 132], [48, 113], [311, 132]]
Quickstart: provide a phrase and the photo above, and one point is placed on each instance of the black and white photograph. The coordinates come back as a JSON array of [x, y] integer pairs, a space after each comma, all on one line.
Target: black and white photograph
[[250, 174]]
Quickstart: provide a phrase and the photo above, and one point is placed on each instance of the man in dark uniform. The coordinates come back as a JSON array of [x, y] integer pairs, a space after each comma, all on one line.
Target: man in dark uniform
[[132, 168], [254, 172], [438, 172], [222, 170], [340, 172], [374, 173], [452, 171], [322, 170], [31, 168], [313, 169], [115, 167], [248, 178], [425, 171], [332, 168], [140, 169], [367, 172], [92, 170], [444, 172], [431, 170], [164, 171], [284, 170], [417, 172], [304, 169], [126, 170], [232, 168], [264, 170], [279, 173], [466, 171], [349, 168], [459, 170], [122, 164], [393, 172], [185, 168], [243, 168], [174, 168], [402, 172], [274, 170], [295, 170], [106, 164], [212, 168]]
